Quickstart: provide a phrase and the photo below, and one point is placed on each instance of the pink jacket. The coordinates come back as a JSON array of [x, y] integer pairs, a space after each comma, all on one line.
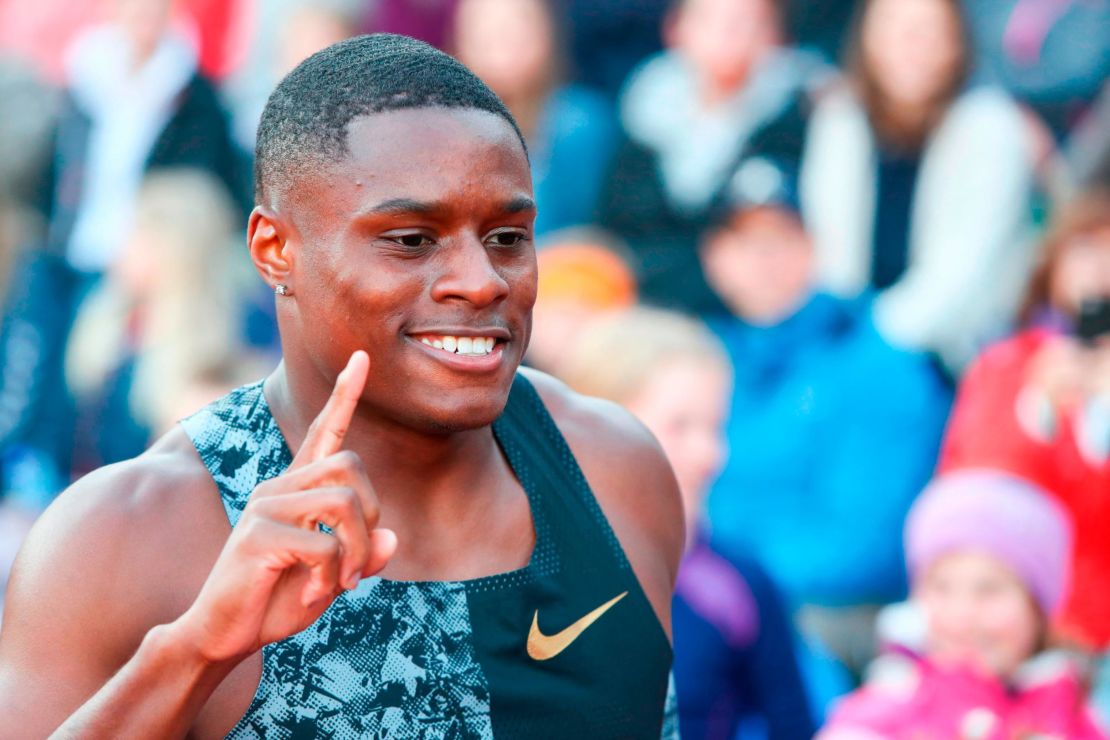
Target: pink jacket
[[909, 697]]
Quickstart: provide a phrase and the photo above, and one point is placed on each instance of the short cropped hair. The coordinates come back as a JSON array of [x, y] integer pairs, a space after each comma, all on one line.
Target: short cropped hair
[[304, 123]]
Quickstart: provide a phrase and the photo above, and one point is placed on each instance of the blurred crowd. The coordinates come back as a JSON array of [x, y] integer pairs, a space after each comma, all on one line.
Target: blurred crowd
[[849, 260]]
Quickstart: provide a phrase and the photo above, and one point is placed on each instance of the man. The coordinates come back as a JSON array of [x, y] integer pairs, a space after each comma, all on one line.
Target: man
[[393, 220]]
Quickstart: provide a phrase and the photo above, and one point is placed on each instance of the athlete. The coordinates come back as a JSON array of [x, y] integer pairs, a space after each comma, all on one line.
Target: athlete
[[396, 534]]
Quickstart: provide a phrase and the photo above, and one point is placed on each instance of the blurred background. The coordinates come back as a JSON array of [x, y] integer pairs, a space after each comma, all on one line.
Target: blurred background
[[833, 253]]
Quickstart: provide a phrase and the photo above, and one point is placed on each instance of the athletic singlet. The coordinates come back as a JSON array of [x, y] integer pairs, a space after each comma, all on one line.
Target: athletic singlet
[[504, 656]]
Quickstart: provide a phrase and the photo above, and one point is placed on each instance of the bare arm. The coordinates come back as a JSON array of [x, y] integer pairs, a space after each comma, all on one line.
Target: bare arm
[[158, 693]]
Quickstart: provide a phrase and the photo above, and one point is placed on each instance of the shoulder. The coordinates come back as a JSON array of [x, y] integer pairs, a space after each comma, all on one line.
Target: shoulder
[[1010, 354], [986, 102], [600, 431], [127, 546], [629, 475], [987, 119]]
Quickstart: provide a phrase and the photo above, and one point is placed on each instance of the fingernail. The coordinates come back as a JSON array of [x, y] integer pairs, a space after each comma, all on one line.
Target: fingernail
[[353, 581]]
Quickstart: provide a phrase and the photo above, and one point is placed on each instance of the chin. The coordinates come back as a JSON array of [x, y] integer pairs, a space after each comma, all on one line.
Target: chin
[[447, 415]]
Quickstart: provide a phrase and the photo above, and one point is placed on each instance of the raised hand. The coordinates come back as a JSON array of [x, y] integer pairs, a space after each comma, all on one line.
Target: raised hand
[[278, 571]]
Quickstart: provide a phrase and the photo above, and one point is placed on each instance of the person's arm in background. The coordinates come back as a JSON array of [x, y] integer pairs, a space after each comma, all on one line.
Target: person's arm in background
[[969, 253], [769, 667], [984, 429]]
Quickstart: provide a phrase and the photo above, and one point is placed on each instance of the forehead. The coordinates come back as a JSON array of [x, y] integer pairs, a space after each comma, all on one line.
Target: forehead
[[432, 152]]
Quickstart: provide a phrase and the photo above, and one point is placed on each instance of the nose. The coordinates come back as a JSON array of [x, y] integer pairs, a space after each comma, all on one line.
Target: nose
[[470, 276]]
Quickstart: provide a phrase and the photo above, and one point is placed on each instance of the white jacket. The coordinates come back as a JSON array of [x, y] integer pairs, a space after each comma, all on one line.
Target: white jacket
[[970, 245]]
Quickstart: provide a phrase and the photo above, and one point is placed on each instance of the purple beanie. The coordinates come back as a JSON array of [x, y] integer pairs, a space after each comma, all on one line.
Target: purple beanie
[[994, 512]]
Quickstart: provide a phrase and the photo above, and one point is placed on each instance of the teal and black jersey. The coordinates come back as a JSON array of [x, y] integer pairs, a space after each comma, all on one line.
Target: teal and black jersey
[[567, 646]]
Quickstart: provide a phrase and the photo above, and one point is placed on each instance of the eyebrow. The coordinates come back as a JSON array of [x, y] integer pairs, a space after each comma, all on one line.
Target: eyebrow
[[426, 208]]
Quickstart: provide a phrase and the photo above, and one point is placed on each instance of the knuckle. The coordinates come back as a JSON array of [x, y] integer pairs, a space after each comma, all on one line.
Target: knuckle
[[251, 529], [349, 462]]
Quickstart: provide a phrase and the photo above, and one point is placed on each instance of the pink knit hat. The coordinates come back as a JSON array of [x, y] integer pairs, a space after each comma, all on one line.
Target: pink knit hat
[[1001, 514]]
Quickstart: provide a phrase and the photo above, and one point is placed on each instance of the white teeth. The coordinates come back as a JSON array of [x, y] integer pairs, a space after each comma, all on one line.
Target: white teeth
[[472, 346]]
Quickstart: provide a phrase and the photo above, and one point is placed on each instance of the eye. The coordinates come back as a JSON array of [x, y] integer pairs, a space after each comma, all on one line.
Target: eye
[[413, 241], [507, 238]]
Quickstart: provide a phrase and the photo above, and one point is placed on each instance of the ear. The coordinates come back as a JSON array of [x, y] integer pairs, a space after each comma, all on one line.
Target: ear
[[268, 240]]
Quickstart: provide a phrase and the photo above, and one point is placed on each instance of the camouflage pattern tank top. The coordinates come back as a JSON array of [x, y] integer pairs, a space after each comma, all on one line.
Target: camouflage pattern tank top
[[566, 647]]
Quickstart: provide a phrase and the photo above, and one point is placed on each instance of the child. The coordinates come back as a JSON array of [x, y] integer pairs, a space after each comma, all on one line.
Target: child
[[988, 558], [734, 649]]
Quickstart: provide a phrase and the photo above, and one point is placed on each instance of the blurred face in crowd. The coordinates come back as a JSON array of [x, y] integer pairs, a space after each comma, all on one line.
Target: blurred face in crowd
[[979, 613], [761, 264], [137, 268], [144, 22], [415, 246], [510, 44], [684, 403], [913, 49], [1082, 271], [724, 39]]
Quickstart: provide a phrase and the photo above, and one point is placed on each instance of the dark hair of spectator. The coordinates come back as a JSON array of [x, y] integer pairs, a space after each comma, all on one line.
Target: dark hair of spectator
[[1088, 213], [304, 124], [879, 109]]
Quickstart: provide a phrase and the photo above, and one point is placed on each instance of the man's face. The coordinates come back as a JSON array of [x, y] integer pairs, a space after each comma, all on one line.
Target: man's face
[[417, 247]]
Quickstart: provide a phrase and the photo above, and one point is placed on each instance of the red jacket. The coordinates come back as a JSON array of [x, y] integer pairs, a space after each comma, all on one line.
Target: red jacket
[[984, 432]]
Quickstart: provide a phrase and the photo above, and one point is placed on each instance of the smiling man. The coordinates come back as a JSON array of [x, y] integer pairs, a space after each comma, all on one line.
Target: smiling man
[[523, 541]]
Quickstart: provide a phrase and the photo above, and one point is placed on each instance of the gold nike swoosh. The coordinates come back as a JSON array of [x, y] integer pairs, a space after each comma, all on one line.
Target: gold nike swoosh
[[545, 647]]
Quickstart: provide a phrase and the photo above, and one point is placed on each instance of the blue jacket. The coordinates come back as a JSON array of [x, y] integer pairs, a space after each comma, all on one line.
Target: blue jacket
[[570, 155], [832, 434], [734, 660]]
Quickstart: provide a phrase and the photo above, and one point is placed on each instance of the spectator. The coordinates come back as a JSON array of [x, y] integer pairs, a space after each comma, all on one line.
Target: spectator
[[734, 656], [918, 187], [135, 101], [155, 339], [725, 88], [988, 558], [832, 430], [570, 129], [583, 278], [1038, 403]]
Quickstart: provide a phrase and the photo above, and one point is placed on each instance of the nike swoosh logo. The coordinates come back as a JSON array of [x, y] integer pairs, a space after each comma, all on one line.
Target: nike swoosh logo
[[545, 647]]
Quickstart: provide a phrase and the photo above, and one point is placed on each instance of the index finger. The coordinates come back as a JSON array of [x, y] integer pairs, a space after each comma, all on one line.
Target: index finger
[[325, 435]]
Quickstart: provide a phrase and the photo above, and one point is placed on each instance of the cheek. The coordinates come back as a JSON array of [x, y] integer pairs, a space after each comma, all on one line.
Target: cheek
[[1013, 623]]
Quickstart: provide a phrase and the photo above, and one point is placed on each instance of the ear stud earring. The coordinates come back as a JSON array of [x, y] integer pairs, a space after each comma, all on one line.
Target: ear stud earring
[[281, 289]]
